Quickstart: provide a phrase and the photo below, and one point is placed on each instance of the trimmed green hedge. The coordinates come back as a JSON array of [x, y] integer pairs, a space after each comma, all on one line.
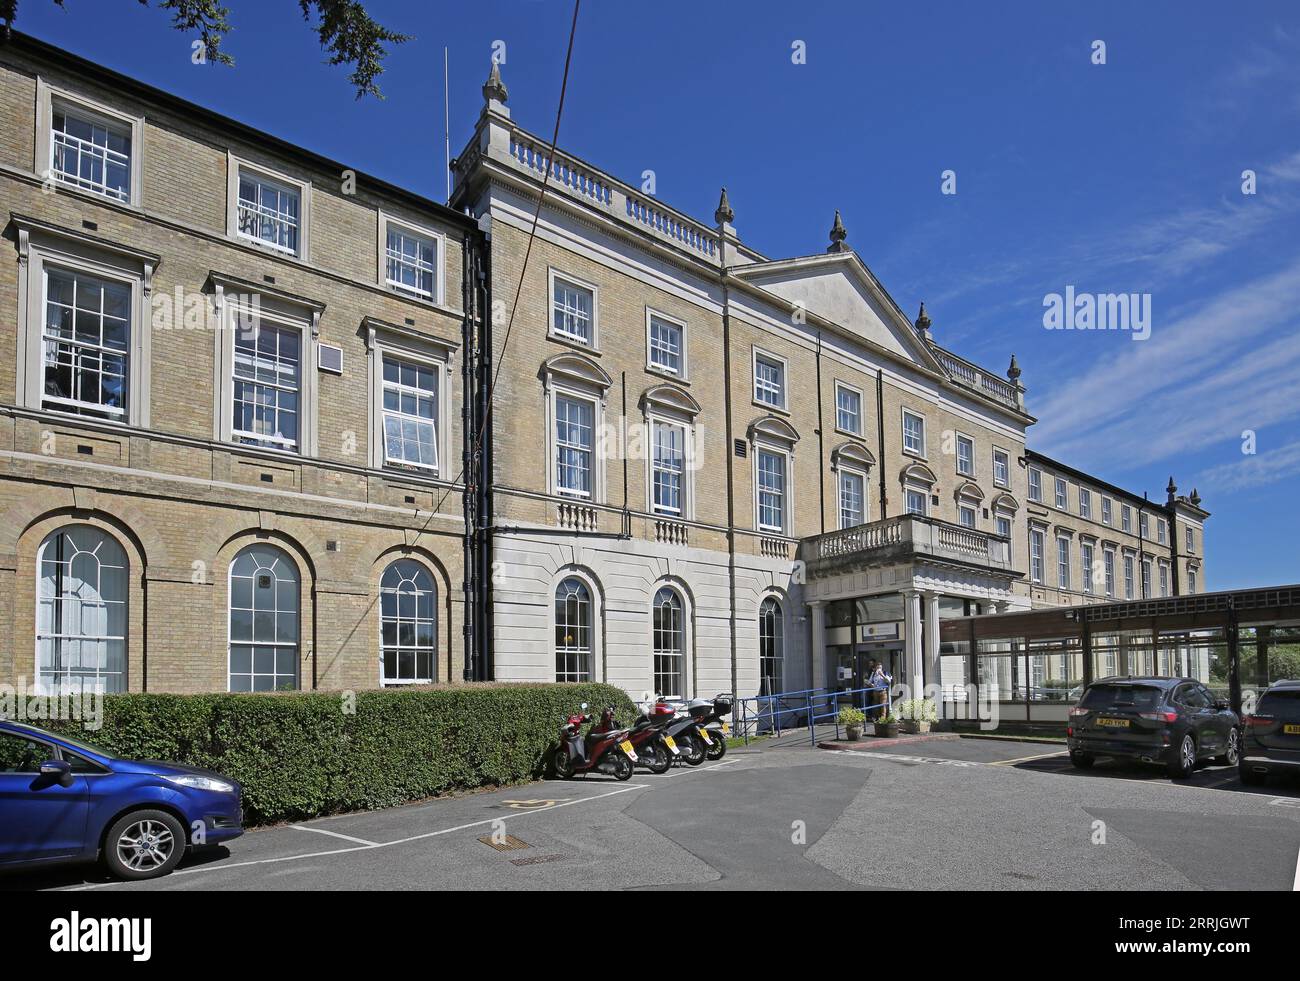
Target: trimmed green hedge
[[301, 755]]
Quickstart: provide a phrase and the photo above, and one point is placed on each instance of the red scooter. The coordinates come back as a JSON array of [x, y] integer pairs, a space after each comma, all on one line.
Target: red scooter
[[655, 749], [599, 752]]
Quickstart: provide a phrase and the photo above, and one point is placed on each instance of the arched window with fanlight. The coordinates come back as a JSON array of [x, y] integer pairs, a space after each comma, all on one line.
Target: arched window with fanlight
[[408, 624], [771, 648], [669, 642], [572, 631], [264, 612], [81, 611]]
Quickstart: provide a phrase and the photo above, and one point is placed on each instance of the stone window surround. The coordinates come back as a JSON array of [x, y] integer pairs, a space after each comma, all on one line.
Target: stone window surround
[[386, 218], [993, 458], [862, 403], [958, 436], [757, 352], [774, 435], [43, 161], [40, 244], [281, 310], [578, 377], [925, 436], [684, 374], [234, 164], [593, 345], [404, 344], [663, 404]]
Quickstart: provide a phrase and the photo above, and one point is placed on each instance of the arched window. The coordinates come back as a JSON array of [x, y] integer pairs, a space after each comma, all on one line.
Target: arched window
[[669, 631], [572, 631], [408, 621], [263, 620], [771, 648], [81, 612]]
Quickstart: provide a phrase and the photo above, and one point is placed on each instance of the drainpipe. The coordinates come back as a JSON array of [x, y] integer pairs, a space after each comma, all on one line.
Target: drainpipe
[[730, 450], [469, 507], [486, 461], [880, 441], [821, 441]]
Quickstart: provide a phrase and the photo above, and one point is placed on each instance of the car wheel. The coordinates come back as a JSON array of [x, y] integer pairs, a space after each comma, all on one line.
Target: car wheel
[[144, 845], [1232, 752], [1250, 778], [1182, 758], [1083, 761]]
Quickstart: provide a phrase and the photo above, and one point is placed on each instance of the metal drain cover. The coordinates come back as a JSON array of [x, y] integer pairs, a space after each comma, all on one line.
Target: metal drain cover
[[507, 844]]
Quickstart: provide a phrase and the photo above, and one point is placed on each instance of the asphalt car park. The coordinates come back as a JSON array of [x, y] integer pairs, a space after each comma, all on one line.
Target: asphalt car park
[[949, 812]]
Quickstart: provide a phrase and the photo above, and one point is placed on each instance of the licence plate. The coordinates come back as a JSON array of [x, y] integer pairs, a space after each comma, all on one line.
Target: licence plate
[[1113, 723], [671, 743], [705, 736], [725, 728], [1291, 730], [626, 747]]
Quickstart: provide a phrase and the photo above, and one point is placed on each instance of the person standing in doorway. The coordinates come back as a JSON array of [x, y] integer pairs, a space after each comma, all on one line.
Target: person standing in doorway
[[880, 680]]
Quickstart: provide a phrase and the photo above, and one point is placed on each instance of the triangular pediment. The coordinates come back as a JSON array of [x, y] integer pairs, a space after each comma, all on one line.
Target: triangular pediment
[[839, 287]]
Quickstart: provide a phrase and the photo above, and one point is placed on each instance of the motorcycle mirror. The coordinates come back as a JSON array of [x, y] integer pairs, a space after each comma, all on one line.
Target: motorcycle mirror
[[584, 706]]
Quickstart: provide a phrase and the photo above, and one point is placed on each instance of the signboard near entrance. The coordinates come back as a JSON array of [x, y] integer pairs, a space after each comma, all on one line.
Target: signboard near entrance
[[891, 630]]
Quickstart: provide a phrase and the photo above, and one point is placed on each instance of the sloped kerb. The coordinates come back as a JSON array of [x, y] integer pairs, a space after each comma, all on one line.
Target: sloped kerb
[[868, 743]]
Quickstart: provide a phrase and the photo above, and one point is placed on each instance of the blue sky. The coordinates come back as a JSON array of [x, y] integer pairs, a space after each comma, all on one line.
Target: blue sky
[[1117, 178]]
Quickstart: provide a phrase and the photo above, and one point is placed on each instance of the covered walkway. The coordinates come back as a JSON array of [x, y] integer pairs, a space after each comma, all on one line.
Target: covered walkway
[[1032, 665]]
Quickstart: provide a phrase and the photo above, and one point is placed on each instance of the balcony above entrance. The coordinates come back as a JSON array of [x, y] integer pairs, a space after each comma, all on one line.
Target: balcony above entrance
[[906, 540]]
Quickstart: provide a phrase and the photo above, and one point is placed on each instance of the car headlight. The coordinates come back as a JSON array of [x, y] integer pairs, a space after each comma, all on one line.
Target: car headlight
[[196, 782]]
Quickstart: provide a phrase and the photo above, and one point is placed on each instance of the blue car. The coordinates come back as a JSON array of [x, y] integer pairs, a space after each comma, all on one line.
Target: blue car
[[62, 800]]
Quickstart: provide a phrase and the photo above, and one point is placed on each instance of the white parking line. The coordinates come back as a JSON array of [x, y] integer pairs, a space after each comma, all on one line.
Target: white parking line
[[1295, 884], [332, 834], [369, 847]]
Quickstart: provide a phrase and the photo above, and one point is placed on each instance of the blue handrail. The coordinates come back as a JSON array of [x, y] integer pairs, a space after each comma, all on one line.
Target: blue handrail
[[816, 704]]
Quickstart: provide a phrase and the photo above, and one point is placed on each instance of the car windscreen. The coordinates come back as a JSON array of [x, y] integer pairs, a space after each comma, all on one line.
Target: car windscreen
[[1139, 697], [1282, 705]]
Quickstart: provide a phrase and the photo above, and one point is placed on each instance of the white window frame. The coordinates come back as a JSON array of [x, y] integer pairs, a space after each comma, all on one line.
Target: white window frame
[[859, 474], [1144, 526], [594, 628], [965, 509], [852, 390], [652, 315], [1087, 562], [386, 340], [1189, 537], [1061, 493], [1126, 519], [1037, 559], [920, 455], [553, 276], [235, 166], [1107, 511], [1085, 503], [597, 470], [1063, 565], [1148, 579], [1036, 485], [1162, 533], [47, 97], [1108, 570], [1191, 580], [686, 512], [278, 312], [1164, 578], [439, 240], [1005, 456], [787, 488], [760, 354], [924, 495], [998, 518], [970, 441], [1129, 561], [417, 648], [42, 247]]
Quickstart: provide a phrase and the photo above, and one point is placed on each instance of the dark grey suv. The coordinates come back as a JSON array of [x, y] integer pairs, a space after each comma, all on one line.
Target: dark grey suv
[[1271, 742], [1174, 721]]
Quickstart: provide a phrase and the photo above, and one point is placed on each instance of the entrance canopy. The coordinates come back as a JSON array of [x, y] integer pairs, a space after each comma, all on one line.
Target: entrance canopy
[[1239, 641]]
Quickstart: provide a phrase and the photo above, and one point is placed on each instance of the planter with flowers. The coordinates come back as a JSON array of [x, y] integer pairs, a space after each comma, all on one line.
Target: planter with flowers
[[917, 714]]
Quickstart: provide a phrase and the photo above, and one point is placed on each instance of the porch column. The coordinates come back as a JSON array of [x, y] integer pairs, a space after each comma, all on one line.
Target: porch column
[[933, 669], [818, 608], [912, 643]]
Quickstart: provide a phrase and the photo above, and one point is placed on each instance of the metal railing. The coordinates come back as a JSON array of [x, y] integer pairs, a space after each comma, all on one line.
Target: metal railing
[[800, 709]]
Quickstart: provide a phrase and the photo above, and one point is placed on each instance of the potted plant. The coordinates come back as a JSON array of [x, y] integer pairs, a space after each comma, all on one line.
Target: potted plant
[[887, 724], [916, 714], [852, 720]]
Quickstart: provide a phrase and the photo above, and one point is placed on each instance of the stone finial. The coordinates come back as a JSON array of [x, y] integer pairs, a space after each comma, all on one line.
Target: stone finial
[[922, 322], [1172, 489], [1195, 498], [724, 215], [838, 235], [1013, 370], [494, 90]]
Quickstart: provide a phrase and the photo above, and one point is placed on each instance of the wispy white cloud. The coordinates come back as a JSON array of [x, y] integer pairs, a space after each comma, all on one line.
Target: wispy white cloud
[[1258, 470]]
